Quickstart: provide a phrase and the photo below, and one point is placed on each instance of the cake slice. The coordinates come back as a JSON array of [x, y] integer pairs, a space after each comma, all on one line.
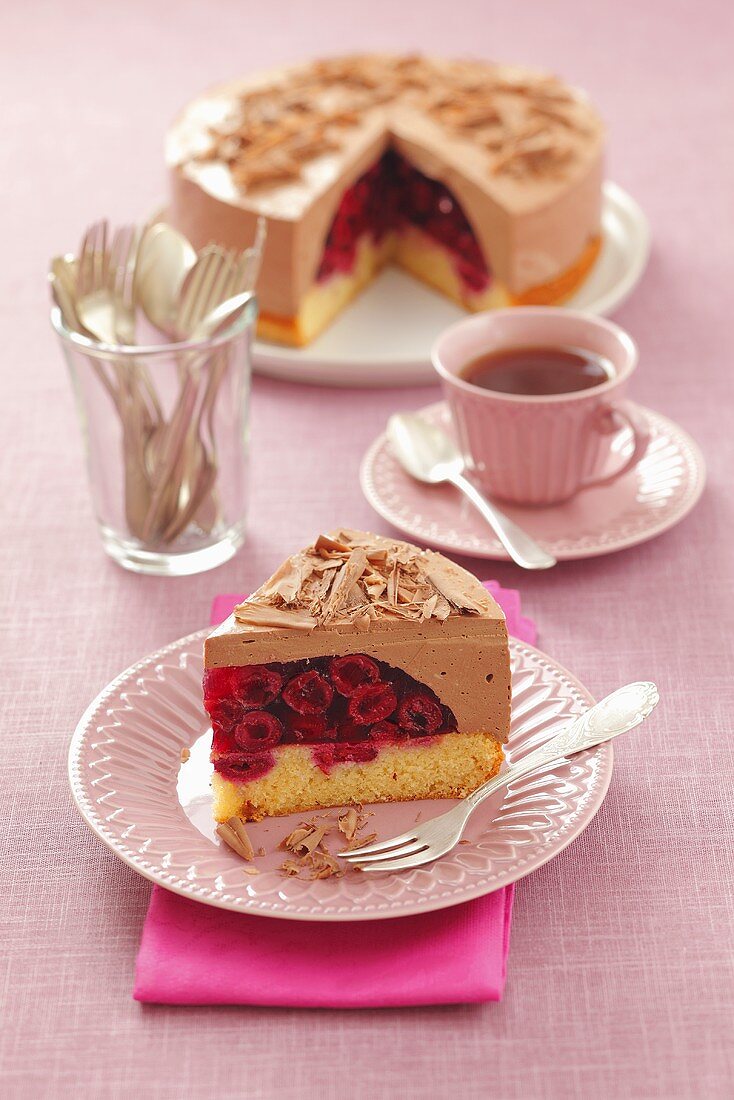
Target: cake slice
[[364, 670]]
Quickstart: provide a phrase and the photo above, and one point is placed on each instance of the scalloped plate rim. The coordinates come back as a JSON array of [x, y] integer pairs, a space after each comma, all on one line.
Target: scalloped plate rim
[[683, 439], [558, 842]]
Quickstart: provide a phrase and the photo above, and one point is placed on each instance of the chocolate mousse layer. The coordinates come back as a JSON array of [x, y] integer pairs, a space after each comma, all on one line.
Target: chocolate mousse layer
[[519, 149], [352, 592]]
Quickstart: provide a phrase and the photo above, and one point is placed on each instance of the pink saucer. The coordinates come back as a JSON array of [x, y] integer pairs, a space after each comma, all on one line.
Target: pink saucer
[[651, 498]]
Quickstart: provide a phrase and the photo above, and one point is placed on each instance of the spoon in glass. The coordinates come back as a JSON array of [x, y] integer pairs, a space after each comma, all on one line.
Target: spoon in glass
[[429, 455]]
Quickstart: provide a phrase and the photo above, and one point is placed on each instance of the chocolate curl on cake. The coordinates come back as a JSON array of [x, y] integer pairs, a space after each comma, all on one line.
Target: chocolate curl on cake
[[355, 577]]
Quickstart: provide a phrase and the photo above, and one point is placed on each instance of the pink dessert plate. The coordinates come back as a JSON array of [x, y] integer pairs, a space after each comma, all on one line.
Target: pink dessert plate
[[154, 811], [641, 504], [384, 338]]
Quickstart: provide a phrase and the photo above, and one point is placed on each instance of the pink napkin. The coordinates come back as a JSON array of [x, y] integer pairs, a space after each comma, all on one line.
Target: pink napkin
[[193, 954]]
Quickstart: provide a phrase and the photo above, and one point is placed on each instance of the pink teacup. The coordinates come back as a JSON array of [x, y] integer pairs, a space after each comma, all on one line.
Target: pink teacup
[[540, 449]]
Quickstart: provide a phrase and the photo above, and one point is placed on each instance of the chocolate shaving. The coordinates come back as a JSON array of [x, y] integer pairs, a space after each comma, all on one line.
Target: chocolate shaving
[[273, 132], [348, 823], [323, 864], [312, 858], [312, 841], [448, 580], [360, 841], [429, 606], [349, 574], [323, 542], [354, 577], [294, 840], [262, 614], [287, 581], [234, 834], [305, 839]]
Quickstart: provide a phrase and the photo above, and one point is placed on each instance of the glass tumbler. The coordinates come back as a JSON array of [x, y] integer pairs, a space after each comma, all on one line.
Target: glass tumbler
[[166, 435]]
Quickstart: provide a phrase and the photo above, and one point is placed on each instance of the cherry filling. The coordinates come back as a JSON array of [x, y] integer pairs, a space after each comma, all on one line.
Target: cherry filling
[[258, 730], [351, 672], [346, 708], [391, 196], [419, 715], [371, 703], [239, 766], [308, 693]]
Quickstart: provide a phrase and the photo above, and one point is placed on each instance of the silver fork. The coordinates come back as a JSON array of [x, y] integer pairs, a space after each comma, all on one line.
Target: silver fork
[[169, 476], [203, 504], [121, 285], [204, 288], [93, 292], [123, 255], [619, 712]]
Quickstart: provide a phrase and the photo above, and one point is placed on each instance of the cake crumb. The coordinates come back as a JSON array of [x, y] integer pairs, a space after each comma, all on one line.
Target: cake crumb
[[251, 870], [261, 851], [185, 755]]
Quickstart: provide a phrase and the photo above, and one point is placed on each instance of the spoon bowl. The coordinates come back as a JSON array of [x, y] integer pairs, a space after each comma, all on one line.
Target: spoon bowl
[[164, 260], [426, 452]]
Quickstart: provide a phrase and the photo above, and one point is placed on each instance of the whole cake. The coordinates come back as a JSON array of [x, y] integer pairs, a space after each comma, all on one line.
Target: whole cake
[[364, 670], [482, 180]]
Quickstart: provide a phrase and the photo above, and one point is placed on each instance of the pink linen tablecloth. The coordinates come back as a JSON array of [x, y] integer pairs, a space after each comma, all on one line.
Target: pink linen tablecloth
[[623, 947]]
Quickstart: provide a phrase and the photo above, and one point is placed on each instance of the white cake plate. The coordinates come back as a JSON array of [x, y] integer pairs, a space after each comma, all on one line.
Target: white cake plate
[[384, 338]]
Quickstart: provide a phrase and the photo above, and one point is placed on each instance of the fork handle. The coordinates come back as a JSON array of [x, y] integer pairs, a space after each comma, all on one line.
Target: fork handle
[[618, 713]]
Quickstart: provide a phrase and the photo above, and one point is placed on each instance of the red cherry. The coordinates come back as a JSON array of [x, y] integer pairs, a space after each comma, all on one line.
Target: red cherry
[[224, 713], [353, 732], [308, 693], [350, 672], [474, 278], [387, 731], [311, 728], [258, 685], [419, 714], [421, 197], [325, 270], [220, 683], [242, 767], [358, 753], [258, 730], [323, 757], [371, 703]]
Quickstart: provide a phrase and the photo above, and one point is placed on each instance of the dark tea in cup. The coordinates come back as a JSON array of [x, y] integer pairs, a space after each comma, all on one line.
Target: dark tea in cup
[[537, 371]]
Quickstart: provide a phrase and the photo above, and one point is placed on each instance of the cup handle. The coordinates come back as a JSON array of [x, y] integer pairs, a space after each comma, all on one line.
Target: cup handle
[[612, 419]]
